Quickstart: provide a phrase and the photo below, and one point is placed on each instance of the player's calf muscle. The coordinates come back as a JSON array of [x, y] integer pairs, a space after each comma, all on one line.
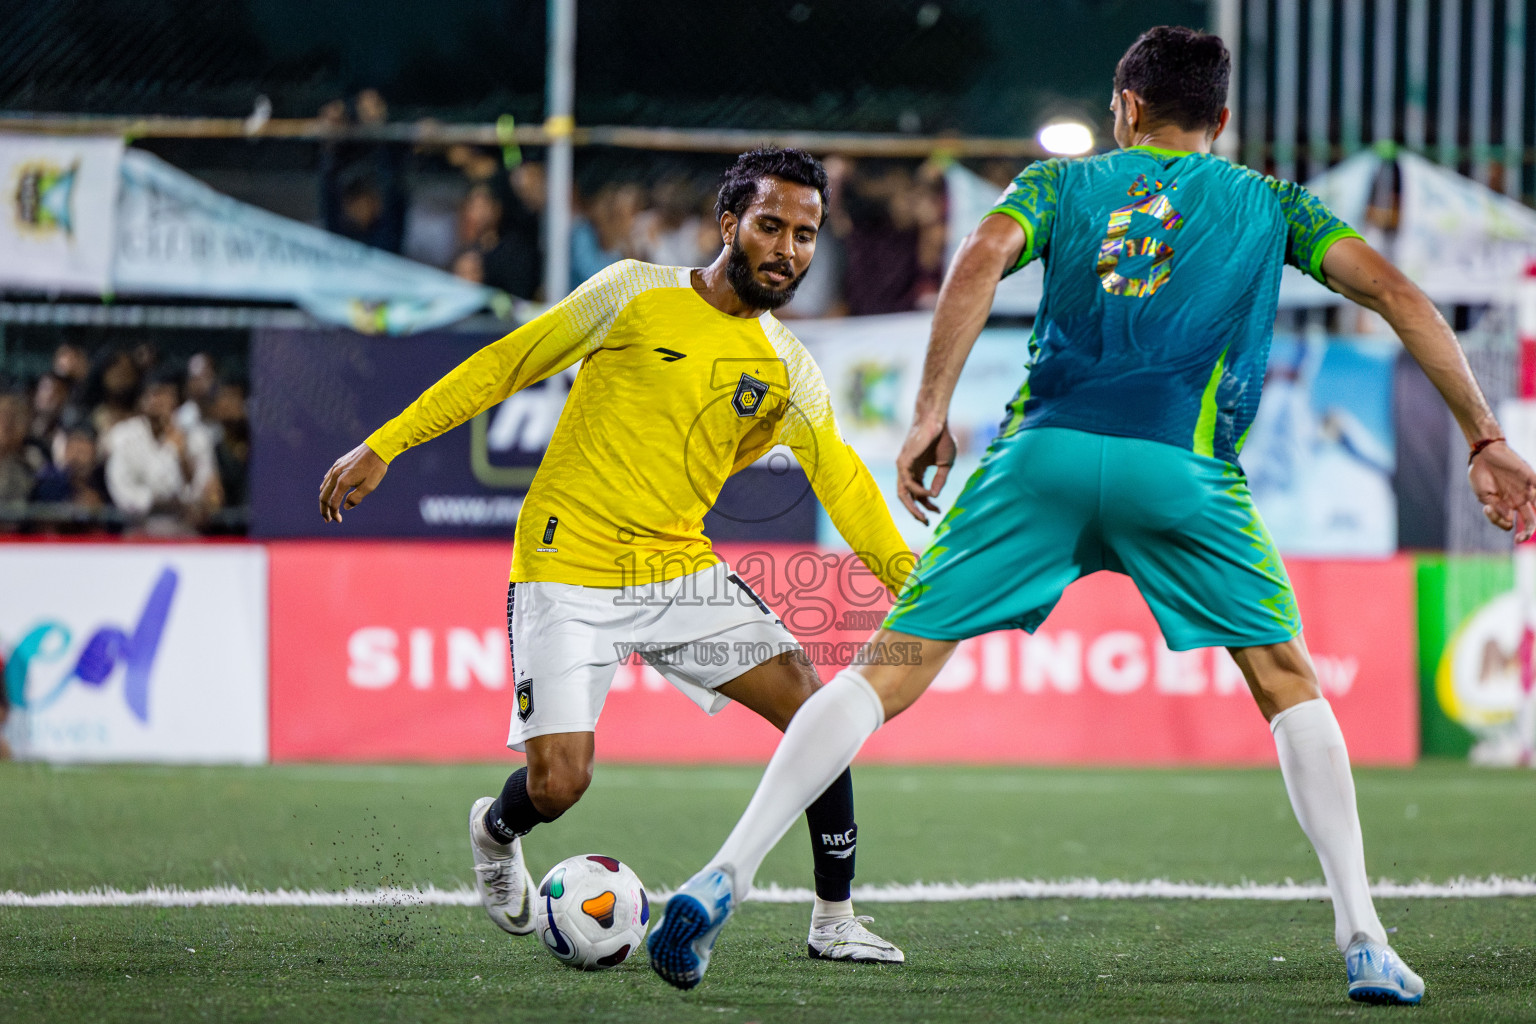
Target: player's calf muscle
[[554, 793], [899, 682], [559, 771], [1279, 675]]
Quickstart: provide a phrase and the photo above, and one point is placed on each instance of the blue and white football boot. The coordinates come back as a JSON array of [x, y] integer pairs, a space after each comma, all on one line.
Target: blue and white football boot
[[1378, 975], [680, 943]]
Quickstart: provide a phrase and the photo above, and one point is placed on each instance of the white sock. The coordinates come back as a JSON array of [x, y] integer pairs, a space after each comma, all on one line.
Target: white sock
[[825, 912], [1315, 764], [820, 742]]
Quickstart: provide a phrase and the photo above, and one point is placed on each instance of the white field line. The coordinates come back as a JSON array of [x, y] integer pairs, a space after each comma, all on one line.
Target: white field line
[[918, 892]]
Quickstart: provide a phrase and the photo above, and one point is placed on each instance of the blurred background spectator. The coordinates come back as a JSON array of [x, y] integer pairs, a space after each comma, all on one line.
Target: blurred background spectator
[[50, 397], [519, 270], [156, 471], [107, 451], [16, 470], [233, 449], [671, 231], [71, 365], [604, 229], [498, 222], [75, 474], [111, 389], [202, 383], [363, 185]]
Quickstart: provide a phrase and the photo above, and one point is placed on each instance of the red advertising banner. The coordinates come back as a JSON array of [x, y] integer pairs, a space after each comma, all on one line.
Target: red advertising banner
[[398, 652]]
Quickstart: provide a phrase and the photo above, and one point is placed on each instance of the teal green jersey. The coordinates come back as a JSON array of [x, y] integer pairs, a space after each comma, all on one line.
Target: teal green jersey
[[1162, 273]]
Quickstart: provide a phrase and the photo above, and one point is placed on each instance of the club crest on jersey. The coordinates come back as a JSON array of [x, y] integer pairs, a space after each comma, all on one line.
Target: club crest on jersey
[[749, 395], [524, 699]]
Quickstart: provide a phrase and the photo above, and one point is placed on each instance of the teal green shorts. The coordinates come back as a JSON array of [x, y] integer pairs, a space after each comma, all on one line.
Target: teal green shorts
[[1048, 506]]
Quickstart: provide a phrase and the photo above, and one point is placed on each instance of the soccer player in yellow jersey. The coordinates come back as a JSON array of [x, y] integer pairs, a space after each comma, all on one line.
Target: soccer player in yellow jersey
[[686, 377]]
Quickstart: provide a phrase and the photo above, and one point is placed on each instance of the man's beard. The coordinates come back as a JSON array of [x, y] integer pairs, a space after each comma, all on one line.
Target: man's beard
[[738, 271]]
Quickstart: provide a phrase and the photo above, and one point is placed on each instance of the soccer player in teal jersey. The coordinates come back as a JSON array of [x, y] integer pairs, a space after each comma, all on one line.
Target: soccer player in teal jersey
[[1162, 269]]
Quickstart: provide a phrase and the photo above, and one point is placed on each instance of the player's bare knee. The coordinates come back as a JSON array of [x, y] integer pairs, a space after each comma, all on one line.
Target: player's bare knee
[[1276, 690], [776, 688], [806, 681], [1279, 675]]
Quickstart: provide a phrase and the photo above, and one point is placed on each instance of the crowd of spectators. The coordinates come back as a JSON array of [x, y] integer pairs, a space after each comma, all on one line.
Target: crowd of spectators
[[881, 251], [124, 440]]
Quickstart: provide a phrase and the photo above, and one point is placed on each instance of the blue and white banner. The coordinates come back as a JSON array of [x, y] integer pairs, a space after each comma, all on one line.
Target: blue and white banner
[[177, 236], [115, 652], [57, 227], [872, 366], [1321, 452]]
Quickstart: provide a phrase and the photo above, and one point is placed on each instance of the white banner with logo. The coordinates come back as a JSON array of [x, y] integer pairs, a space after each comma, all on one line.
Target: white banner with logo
[[970, 198], [60, 198], [1321, 451], [135, 653], [177, 236], [1458, 240], [873, 365]]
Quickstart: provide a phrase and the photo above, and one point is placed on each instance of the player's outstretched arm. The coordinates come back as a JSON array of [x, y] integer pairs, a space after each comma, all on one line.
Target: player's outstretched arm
[[538, 349], [964, 302], [569, 331], [1502, 480], [351, 479]]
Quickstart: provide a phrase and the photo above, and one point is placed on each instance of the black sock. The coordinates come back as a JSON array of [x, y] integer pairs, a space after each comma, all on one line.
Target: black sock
[[833, 837], [512, 814]]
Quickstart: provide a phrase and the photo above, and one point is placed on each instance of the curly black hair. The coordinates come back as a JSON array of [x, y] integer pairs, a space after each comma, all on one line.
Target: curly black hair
[[738, 185], [1182, 75]]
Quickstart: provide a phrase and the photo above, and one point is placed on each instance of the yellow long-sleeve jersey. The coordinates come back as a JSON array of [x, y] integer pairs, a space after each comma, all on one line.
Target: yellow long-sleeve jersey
[[673, 397]]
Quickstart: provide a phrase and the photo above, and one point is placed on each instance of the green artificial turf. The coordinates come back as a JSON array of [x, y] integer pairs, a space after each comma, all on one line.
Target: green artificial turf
[[329, 827]]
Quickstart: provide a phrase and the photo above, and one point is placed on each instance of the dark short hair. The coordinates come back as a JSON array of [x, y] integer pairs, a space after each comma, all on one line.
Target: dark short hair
[[738, 186], [1182, 75]]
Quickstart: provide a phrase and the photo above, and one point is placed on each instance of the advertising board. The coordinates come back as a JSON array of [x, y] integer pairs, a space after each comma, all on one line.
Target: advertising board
[[318, 393], [399, 652], [135, 653]]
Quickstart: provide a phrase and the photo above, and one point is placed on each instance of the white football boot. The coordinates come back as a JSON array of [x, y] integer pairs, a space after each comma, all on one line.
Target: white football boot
[[502, 880], [1378, 975], [847, 939]]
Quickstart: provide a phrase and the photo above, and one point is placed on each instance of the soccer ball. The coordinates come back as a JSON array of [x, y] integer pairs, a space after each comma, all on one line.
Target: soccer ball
[[592, 912]]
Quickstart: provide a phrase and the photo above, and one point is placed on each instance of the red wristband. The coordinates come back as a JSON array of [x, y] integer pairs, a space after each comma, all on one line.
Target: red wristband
[[1478, 446]]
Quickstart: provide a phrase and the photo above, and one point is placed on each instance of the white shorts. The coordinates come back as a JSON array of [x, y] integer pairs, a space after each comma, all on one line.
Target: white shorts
[[567, 642]]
